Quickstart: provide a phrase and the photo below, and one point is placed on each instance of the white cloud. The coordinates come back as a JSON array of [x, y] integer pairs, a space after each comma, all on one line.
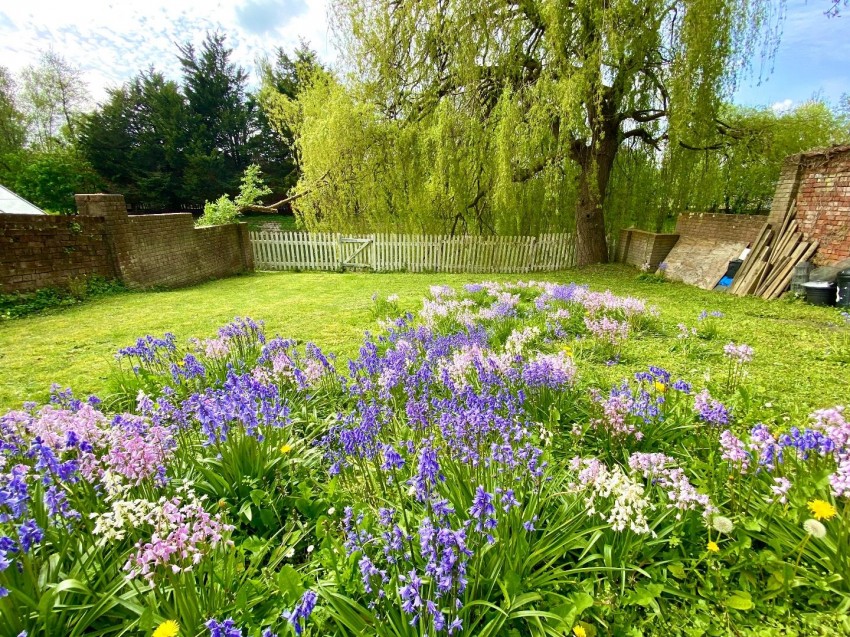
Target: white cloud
[[111, 40], [783, 106]]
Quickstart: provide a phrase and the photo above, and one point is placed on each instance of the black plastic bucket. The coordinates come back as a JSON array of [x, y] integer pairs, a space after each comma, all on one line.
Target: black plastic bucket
[[842, 284], [820, 292]]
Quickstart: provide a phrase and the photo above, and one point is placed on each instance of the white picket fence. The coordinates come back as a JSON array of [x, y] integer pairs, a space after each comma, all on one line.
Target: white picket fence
[[411, 253]]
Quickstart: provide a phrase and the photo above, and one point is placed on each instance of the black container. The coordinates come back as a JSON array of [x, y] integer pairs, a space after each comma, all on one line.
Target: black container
[[842, 288], [734, 266], [820, 292]]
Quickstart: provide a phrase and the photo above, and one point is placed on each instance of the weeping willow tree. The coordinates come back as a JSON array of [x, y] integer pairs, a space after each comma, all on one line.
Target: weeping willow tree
[[503, 117], [735, 173]]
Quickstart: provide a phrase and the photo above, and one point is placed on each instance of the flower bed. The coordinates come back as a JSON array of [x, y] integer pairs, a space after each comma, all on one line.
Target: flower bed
[[470, 472]]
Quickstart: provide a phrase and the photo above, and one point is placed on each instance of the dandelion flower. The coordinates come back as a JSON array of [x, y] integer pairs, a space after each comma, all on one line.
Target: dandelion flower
[[660, 387], [815, 529], [822, 510], [286, 448], [168, 628], [722, 524], [713, 547], [579, 631]]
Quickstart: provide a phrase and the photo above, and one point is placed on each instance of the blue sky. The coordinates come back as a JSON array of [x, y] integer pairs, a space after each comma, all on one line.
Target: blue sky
[[813, 58], [111, 40]]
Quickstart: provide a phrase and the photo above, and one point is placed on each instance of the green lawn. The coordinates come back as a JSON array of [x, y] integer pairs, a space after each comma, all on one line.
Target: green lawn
[[75, 347], [257, 221]]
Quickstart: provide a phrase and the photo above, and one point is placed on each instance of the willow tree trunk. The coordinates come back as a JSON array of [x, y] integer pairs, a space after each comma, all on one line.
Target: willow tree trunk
[[591, 244], [596, 164]]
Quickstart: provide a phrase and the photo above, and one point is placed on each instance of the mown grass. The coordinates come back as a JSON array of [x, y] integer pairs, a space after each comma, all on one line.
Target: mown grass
[[796, 367], [257, 222]]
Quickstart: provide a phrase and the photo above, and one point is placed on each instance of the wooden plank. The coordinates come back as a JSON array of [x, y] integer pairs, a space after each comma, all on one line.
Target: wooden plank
[[757, 264], [747, 265], [780, 259], [746, 273], [803, 252]]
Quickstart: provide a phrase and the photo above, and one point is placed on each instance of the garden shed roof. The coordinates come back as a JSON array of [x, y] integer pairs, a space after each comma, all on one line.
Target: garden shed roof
[[11, 203]]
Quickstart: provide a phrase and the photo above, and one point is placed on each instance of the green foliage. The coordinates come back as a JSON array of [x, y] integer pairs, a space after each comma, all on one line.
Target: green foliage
[[218, 212], [37, 352], [138, 138], [736, 172], [26, 303], [51, 178], [226, 210], [251, 187]]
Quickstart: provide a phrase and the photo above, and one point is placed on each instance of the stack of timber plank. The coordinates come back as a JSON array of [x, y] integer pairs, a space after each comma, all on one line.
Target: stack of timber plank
[[768, 269]]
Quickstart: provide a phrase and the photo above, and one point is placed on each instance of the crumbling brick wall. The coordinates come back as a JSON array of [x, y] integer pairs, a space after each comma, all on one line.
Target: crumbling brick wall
[[819, 182], [143, 251]]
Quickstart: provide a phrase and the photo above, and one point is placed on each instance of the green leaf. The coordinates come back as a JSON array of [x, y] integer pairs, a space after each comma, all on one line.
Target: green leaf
[[513, 583], [581, 602], [146, 621], [289, 582], [643, 595], [740, 600], [676, 570], [257, 496]]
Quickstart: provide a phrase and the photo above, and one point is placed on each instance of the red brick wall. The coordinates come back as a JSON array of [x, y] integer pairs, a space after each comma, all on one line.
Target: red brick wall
[[720, 227], [38, 251], [144, 251], [823, 204]]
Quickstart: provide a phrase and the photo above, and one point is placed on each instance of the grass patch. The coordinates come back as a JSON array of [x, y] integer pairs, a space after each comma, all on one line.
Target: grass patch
[[256, 222], [796, 367]]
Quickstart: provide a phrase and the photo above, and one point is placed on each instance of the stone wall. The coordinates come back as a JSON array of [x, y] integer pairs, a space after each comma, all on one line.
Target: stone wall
[[720, 227], [819, 182], [143, 251]]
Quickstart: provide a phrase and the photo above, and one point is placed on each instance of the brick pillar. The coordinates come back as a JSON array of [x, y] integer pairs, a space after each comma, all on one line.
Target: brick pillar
[[245, 246], [113, 210]]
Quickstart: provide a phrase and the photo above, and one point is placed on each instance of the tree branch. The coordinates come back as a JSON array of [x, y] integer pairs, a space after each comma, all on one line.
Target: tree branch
[[274, 208]]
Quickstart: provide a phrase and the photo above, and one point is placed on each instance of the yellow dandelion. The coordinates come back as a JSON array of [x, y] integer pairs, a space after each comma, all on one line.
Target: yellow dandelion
[[286, 448], [568, 350], [660, 387], [579, 631], [168, 628], [713, 547], [822, 510]]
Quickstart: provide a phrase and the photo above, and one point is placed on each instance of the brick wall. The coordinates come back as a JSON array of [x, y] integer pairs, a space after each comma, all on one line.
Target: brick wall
[[167, 250], [38, 251], [720, 227], [638, 247], [823, 201], [164, 250]]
